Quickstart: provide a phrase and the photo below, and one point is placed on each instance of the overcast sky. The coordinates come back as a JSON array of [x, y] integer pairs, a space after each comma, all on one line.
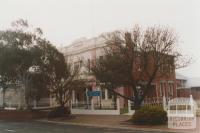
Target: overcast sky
[[64, 21]]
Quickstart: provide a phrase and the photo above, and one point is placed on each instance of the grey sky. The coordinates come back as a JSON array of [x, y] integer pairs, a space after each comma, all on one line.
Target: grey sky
[[66, 20]]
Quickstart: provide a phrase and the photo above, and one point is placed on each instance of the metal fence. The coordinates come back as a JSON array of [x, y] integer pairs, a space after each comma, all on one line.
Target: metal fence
[[96, 107], [81, 105]]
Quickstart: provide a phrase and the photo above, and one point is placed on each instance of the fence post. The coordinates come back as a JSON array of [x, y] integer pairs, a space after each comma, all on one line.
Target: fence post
[[35, 103], [192, 104], [92, 104], [71, 104], [118, 105], [19, 99], [129, 106], [164, 103]]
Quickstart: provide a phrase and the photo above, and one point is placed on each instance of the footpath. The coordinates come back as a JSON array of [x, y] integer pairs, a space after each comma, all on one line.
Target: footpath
[[118, 122]]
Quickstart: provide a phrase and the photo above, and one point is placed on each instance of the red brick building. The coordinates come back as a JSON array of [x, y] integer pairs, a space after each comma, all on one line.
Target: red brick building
[[87, 50], [188, 86]]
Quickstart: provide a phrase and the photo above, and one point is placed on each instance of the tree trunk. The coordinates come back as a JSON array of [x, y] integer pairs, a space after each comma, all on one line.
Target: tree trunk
[[137, 102]]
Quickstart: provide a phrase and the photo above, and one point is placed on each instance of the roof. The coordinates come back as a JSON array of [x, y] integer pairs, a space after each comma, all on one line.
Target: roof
[[180, 76], [83, 45], [190, 82], [193, 82]]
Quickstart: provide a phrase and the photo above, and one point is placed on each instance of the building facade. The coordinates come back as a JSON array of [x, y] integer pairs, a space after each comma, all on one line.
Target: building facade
[[86, 51], [188, 86]]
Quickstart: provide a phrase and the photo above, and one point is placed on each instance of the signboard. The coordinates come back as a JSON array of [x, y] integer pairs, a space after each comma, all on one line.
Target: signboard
[[93, 93], [182, 122], [182, 113]]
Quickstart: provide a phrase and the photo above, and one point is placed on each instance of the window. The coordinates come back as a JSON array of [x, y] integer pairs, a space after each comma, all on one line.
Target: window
[[100, 58], [89, 65], [171, 69], [166, 68], [92, 63], [162, 89], [171, 88], [110, 94], [103, 94], [77, 64]]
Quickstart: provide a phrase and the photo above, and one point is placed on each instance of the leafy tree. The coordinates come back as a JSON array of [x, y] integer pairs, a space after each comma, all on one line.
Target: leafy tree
[[23, 57], [135, 59], [28, 59], [14, 56]]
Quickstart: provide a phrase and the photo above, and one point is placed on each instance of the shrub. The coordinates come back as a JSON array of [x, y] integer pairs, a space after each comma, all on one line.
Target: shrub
[[150, 115], [59, 112]]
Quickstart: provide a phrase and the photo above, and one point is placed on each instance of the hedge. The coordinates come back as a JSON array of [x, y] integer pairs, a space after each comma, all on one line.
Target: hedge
[[150, 115]]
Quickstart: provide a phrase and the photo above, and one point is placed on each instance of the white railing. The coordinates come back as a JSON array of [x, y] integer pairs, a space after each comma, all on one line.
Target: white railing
[[95, 108], [81, 105], [155, 101]]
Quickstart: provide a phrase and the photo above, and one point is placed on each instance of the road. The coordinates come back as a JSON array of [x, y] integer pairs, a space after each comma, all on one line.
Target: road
[[42, 127]]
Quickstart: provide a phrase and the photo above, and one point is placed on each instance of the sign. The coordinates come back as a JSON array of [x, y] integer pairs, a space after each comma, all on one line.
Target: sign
[[93, 93], [182, 113], [182, 122]]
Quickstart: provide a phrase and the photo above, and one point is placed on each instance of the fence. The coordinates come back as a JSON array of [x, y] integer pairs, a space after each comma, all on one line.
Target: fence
[[198, 107], [154, 101], [93, 108]]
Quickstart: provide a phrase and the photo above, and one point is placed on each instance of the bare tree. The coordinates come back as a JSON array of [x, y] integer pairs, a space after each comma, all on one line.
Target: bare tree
[[63, 81], [137, 58]]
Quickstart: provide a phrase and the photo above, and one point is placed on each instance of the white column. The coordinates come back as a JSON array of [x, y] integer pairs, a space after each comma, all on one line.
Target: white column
[[50, 100], [118, 105], [35, 103], [192, 105], [164, 103], [1, 97], [98, 89], [87, 98], [19, 99], [92, 104], [73, 96], [156, 90], [129, 105], [106, 94]]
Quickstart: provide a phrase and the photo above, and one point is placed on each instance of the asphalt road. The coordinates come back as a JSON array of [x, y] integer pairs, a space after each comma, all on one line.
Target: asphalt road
[[42, 127]]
